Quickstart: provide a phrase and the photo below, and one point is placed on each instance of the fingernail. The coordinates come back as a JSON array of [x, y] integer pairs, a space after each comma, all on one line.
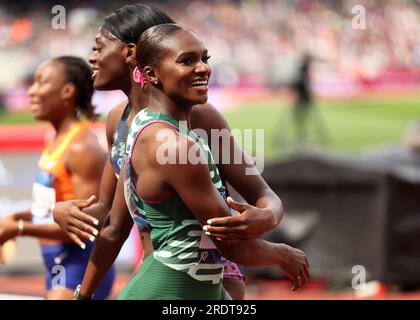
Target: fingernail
[[95, 222], [219, 239], [209, 221], [95, 232], [92, 238], [207, 233], [83, 246], [205, 228]]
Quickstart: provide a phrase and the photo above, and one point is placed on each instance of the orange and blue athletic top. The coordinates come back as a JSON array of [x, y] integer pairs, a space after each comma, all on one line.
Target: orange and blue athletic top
[[53, 181]]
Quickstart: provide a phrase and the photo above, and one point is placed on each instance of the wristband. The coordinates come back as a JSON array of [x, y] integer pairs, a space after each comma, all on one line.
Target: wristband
[[20, 227]]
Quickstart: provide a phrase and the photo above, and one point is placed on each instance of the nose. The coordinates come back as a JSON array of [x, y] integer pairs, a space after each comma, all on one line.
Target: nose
[[92, 58], [203, 69], [32, 90]]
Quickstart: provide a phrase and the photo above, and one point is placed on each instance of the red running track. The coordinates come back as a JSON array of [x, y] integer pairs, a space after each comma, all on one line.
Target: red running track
[[23, 138], [256, 290], [31, 138]]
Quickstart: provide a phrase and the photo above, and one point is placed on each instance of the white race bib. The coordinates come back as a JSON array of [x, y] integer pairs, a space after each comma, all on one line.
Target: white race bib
[[43, 201]]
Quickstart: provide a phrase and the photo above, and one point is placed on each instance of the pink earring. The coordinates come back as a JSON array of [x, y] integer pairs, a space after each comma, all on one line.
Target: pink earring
[[138, 77]]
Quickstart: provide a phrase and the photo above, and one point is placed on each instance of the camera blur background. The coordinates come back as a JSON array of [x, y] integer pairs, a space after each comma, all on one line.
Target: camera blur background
[[336, 95]]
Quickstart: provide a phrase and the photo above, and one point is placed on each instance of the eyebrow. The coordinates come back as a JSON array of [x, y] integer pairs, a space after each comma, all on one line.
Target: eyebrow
[[205, 51]]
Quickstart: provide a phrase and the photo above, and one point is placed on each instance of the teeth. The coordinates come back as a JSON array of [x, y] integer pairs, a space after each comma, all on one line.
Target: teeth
[[199, 83]]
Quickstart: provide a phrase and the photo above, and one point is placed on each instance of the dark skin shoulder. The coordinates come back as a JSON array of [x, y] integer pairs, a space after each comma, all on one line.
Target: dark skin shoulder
[[84, 160], [112, 120]]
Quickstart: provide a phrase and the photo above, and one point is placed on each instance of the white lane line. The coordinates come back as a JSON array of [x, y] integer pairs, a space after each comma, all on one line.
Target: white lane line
[[18, 297]]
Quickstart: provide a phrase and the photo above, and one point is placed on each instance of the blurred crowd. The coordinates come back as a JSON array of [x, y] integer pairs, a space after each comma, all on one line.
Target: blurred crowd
[[251, 42]]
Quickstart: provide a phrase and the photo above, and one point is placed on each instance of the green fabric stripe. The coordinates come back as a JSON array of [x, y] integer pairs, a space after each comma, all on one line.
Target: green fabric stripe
[[163, 283]]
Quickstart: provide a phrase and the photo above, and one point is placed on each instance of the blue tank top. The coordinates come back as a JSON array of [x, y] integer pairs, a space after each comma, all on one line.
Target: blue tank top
[[120, 138], [117, 155]]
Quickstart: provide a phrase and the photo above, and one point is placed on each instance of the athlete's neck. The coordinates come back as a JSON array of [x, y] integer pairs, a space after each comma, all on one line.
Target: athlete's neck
[[164, 104], [64, 124], [137, 98]]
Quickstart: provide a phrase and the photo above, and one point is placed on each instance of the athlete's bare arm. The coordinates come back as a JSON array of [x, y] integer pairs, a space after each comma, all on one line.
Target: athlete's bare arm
[[192, 182], [265, 209], [83, 224], [84, 160], [109, 241]]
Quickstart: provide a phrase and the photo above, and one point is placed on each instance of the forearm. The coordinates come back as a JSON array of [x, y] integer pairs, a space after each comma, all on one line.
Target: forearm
[[24, 215], [107, 247], [271, 202], [48, 231], [99, 211], [254, 253]]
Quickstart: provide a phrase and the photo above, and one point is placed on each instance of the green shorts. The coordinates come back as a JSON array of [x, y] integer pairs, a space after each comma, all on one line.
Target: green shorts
[[156, 281]]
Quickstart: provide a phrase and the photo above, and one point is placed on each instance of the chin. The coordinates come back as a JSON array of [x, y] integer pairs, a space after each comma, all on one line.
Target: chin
[[99, 86], [201, 100], [103, 85], [39, 117]]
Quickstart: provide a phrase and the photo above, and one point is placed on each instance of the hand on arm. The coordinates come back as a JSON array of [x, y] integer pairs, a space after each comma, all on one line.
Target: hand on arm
[[246, 225], [74, 222], [265, 209], [192, 182], [82, 219]]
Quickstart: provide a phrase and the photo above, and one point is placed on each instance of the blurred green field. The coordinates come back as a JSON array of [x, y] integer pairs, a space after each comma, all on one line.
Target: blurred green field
[[351, 126], [16, 118]]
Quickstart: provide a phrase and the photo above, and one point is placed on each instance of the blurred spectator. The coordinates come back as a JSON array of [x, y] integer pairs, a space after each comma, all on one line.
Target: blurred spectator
[[303, 100], [252, 42]]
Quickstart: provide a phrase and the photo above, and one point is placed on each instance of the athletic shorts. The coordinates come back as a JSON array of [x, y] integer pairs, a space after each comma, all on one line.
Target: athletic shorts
[[66, 264], [156, 281], [233, 271]]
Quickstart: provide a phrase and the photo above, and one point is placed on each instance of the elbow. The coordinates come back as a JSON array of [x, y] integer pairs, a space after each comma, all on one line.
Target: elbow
[[273, 204], [114, 234], [276, 209], [281, 212]]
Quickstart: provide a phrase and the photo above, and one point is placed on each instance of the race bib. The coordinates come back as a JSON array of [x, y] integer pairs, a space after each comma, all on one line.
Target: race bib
[[43, 198]]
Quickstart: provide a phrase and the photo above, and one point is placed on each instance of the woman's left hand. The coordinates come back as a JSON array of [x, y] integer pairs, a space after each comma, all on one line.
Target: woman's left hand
[[251, 223], [295, 266]]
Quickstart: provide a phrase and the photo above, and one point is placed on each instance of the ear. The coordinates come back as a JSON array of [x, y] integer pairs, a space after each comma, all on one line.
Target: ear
[[68, 91], [130, 55], [150, 74]]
